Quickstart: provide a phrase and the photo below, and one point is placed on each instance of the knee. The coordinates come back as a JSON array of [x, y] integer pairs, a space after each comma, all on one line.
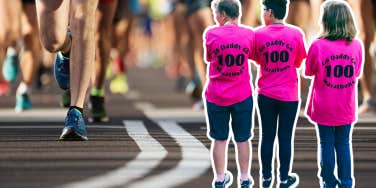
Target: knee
[[51, 44]]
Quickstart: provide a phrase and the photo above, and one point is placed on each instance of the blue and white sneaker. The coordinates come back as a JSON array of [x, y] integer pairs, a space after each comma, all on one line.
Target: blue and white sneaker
[[10, 67], [74, 127], [292, 181], [61, 71], [225, 183], [23, 102]]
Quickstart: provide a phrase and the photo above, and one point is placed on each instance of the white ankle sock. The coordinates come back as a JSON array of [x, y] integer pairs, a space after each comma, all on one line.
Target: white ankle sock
[[244, 177], [22, 88], [220, 177]]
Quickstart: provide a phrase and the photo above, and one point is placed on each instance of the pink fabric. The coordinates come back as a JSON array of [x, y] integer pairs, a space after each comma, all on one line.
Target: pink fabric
[[228, 49], [280, 51], [335, 66]]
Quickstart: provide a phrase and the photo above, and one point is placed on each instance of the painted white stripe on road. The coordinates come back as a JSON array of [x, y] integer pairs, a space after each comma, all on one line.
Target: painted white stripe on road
[[195, 160], [150, 156], [181, 115]]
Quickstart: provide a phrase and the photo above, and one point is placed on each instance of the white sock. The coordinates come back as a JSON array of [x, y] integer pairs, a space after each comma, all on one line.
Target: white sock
[[11, 51], [244, 177], [220, 177], [22, 88]]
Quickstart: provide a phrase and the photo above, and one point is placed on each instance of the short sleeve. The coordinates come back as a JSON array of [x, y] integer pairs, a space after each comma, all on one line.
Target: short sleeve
[[311, 61], [360, 64], [207, 49], [302, 54]]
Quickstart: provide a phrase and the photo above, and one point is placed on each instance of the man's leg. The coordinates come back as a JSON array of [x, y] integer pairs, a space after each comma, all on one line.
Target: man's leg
[[198, 22], [104, 19], [53, 19], [83, 48], [30, 56], [10, 15], [364, 12]]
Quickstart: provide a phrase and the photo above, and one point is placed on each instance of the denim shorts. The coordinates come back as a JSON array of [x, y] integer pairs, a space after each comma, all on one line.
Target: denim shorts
[[241, 120]]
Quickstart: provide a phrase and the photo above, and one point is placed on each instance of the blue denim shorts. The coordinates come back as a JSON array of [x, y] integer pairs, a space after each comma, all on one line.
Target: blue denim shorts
[[241, 120]]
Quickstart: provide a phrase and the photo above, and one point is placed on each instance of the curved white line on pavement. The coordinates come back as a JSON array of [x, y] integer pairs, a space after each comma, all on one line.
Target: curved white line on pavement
[[195, 160], [152, 153]]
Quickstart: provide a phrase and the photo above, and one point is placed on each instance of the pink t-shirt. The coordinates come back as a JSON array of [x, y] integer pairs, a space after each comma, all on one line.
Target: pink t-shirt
[[335, 65], [279, 51], [228, 49]]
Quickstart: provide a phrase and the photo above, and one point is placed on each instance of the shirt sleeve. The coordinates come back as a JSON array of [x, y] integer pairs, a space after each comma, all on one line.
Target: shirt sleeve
[[302, 54], [207, 50], [360, 64], [311, 61]]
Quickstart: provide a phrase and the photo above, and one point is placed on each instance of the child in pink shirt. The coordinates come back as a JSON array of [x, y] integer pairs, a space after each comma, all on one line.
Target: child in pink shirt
[[228, 46], [279, 53], [335, 62]]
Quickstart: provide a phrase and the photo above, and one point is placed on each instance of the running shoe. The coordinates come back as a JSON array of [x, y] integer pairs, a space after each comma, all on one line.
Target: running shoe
[[292, 181], [23, 102], [246, 183], [119, 84], [4, 88], [266, 182], [97, 110], [225, 183], [74, 127], [10, 67]]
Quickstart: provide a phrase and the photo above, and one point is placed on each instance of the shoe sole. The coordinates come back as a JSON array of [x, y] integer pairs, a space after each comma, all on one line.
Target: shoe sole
[[72, 135]]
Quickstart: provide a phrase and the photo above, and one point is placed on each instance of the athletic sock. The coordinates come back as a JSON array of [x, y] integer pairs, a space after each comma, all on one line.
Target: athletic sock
[[22, 88], [77, 108], [244, 177], [97, 92], [220, 178]]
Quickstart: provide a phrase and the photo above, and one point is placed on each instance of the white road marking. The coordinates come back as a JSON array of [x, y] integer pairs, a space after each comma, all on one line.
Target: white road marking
[[195, 160], [150, 156]]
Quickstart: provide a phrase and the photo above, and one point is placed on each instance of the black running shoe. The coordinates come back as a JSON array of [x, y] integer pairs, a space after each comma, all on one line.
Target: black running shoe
[[97, 111], [266, 183]]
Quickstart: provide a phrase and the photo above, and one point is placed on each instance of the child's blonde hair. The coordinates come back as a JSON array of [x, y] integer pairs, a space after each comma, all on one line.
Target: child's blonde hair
[[337, 21]]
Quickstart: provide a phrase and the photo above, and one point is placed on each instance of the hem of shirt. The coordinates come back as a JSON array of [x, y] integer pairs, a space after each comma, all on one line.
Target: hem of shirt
[[279, 99], [330, 124], [230, 103]]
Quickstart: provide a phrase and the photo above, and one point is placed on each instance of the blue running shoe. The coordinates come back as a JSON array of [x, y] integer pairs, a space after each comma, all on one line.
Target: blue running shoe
[[292, 181], [225, 183], [266, 182], [23, 102], [10, 67], [61, 71], [245, 183], [74, 127]]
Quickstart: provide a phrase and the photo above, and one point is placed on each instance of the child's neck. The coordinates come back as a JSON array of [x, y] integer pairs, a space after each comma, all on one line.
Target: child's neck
[[276, 21], [231, 22]]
